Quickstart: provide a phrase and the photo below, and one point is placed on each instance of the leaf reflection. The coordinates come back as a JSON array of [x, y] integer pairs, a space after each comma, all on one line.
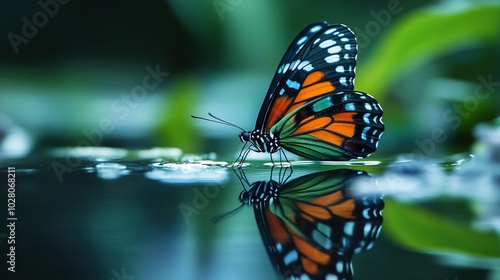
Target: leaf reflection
[[313, 225]]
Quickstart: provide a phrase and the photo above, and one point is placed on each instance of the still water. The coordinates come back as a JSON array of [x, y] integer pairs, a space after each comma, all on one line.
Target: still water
[[118, 214]]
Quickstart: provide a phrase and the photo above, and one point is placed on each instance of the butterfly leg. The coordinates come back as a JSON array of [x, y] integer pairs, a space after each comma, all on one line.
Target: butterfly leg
[[282, 152], [242, 156], [284, 175], [272, 161], [240, 173]]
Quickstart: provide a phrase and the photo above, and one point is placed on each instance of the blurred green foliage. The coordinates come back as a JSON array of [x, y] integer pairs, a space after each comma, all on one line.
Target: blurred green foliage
[[175, 128], [422, 36], [425, 61]]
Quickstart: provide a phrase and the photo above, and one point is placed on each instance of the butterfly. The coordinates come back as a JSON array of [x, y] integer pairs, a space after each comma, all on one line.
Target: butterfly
[[311, 108], [312, 226]]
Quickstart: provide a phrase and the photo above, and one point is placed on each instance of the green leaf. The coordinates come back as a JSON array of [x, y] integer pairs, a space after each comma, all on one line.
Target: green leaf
[[423, 230], [422, 36], [177, 127]]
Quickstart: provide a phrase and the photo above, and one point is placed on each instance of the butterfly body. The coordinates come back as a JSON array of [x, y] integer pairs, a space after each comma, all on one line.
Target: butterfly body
[[261, 142]]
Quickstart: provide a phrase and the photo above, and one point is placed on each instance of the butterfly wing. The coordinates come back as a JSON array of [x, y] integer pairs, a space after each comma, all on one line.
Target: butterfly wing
[[313, 108], [314, 228], [292, 51], [340, 125], [321, 59]]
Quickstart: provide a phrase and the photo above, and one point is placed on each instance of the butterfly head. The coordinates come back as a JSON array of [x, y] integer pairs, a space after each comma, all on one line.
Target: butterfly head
[[261, 191], [245, 136], [244, 197]]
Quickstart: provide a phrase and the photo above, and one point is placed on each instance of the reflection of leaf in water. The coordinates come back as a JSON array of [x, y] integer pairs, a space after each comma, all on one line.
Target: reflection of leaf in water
[[424, 230]]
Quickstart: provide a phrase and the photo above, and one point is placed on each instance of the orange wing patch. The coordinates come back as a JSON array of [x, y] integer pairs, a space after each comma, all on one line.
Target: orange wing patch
[[335, 204], [311, 87], [309, 266], [344, 209], [328, 137], [314, 210], [345, 117], [311, 125], [280, 105], [308, 251], [276, 228], [328, 199], [346, 129], [313, 78]]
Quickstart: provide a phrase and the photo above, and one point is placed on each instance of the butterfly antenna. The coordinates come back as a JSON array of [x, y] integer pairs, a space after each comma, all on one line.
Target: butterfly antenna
[[218, 120], [226, 215]]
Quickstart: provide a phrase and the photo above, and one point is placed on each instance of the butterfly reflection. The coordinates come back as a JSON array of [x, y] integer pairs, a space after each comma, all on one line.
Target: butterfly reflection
[[313, 225]]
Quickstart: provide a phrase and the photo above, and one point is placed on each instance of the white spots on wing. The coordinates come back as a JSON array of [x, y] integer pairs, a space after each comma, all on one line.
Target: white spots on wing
[[327, 43], [368, 106], [306, 65], [279, 247], [330, 31], [345, 98], [344, 39], [339, 266], [347, 47], [308, 68], [304, 277], [294, 64], [367, 229], [315, 29], [292, 84], [285, 67], [280, 70], [331, 277], [350, 107], [349, 228], [366, 118], [302, 40], [316, 41], [291, 257], [334, 49], [332, 58], [365, 132], [343, 81], [340, 69], [280, 93]]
